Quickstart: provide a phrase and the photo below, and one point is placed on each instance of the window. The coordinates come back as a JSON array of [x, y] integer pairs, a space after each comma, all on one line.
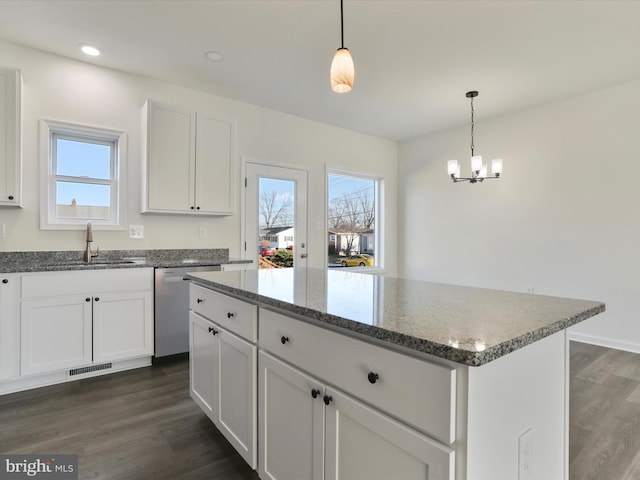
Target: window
[[82, 177], [353, 221]]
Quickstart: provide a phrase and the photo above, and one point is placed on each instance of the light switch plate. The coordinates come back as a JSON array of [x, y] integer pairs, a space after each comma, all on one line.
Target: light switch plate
[[136, 231]]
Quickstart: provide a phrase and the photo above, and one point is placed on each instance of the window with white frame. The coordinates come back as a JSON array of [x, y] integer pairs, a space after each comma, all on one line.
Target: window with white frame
[[82, 176], [354, 220]]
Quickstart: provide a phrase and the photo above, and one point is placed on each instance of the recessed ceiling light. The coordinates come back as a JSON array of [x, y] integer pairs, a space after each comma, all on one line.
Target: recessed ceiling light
[[89, 50], [214, 56]]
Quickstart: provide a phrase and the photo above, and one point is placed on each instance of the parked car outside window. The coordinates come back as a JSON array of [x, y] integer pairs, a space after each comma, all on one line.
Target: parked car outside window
[[360, 260]]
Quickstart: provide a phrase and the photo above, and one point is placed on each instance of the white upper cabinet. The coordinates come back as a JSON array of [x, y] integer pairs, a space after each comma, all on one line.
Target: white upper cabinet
[[189, 162], [10, 135]]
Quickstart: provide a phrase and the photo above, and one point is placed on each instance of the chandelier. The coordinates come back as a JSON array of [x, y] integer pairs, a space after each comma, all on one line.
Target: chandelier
[[478, 169]]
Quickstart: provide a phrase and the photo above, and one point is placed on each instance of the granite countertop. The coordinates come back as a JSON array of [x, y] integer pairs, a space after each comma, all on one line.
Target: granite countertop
[[55, 261], [467, 325]]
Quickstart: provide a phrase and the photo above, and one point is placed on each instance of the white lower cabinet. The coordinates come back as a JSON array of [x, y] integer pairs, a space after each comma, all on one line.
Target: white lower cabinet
[[312, 431], [122, 325], [9, 326], [55, 334], [223, 372], [82, 318]]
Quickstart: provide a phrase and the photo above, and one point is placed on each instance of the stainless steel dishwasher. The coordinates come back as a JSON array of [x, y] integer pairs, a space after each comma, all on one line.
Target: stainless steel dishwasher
[[172, 309]]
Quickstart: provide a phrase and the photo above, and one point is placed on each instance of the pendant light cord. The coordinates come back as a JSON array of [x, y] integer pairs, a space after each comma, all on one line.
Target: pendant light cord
[[341, 25]]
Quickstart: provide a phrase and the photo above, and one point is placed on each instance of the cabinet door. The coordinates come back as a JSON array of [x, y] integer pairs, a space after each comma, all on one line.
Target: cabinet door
[[204, 364], [170, 159], [215, 166], [291, 422], [362, 443], [9, 326], [122, 325], [237, 394], [10, 158], [55, 334]]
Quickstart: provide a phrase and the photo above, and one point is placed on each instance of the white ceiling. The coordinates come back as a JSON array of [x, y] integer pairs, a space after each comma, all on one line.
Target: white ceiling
[[414, 59]]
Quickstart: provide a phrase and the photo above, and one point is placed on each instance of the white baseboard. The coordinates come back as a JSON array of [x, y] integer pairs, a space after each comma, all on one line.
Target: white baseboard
[[632, 347]]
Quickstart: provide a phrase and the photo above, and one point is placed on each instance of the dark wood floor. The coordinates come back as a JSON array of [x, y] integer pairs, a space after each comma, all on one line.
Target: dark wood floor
[[141, 424], [133, 425], [604, 436]]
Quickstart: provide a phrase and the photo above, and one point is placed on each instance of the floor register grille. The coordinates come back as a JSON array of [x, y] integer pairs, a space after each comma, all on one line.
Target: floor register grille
[[92, 368]]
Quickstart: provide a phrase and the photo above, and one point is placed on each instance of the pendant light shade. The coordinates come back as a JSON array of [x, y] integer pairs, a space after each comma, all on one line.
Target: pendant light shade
[[342, 70]]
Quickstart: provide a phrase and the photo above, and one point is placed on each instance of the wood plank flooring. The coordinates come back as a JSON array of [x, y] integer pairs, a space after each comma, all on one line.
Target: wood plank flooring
[[604, 432], [133, 425], [141, 424]]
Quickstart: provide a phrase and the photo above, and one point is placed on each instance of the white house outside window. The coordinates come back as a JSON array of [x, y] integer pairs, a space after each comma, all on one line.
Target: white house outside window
[[83, 178]]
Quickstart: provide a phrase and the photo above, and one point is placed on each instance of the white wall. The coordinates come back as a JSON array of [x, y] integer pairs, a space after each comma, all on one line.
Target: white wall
[[62, 89], [564, 218]]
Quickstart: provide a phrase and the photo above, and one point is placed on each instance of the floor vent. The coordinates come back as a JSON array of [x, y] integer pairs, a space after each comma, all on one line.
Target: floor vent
[[92, 368]]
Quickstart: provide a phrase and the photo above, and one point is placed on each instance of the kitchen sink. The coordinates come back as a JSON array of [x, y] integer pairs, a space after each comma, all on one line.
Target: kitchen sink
[[80, 263]]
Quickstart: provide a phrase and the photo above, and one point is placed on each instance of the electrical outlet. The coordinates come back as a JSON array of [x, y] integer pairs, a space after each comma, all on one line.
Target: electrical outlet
[[136, 231], [531, 289], [203, 232], [319, 225], [525, 455]]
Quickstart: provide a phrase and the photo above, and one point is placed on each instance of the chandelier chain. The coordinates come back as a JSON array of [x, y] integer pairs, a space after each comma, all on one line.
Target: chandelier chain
[[472, 145]]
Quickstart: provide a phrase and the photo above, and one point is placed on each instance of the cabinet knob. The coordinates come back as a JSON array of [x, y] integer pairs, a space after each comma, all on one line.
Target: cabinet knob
[[197, 208], [10, 197], [199, 300], [97, 299], [315, 392], [230, 315], [327, 399], [4, 280], [284, 339], [87, 299], [373, 377], [192, 207], [213, 330]]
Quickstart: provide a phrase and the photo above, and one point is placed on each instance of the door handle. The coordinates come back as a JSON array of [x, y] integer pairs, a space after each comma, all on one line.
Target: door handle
[[303, 255]]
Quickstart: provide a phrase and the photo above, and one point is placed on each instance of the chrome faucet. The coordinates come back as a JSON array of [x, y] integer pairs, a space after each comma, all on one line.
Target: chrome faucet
[[87, 251]]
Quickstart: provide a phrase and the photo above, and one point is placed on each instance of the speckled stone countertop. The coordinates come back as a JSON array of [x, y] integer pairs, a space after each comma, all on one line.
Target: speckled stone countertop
[[54, 261], [471, 326]]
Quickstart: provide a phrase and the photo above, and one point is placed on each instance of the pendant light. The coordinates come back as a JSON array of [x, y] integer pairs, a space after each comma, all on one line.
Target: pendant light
[[342, 71], [478, 169]]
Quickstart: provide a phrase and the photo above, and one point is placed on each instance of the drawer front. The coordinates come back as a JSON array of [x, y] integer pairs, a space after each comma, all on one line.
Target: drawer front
[[418, 392], [235, 315], [72, 282]]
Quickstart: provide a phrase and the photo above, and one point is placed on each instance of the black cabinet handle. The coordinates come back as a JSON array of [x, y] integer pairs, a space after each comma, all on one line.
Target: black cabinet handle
[[199, 300], [4, 280], [327, 399], [197, 208], [284, 339], [373, 377], [213, 330], [315, 392], [10, 197], [87, 299], [191, 208], [230, 315], [97, 299]]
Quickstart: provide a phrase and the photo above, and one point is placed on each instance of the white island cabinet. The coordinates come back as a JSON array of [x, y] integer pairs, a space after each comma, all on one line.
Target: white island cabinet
[[415, 380], [82, 319], [223, 369], [189, 161]]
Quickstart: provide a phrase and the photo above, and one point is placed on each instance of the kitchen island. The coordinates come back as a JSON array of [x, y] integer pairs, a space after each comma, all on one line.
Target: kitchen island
[[419, 379]]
